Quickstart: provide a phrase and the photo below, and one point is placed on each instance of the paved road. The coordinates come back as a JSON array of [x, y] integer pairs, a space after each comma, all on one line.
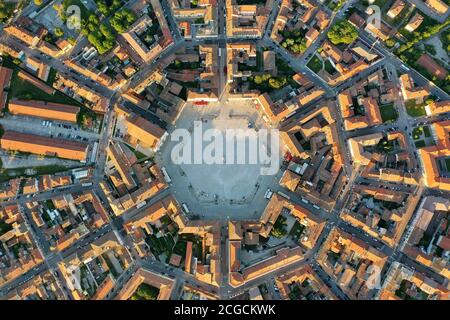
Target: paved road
[[116, 224]]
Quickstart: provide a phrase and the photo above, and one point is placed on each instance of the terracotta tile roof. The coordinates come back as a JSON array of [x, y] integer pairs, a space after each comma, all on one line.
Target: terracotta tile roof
[[432, 66]]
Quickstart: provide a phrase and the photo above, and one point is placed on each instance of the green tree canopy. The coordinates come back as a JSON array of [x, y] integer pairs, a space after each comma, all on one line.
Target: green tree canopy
[[59, 32], [122, 20], [342, 32], [145, 292]]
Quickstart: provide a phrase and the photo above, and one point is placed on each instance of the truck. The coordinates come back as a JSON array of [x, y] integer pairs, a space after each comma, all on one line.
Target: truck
[[86, 184]]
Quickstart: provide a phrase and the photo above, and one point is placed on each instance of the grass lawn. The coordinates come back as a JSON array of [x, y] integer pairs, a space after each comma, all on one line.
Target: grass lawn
[[388, 113], [335, 5], [84, 11], [296, 230], [420, 144], [139, 155], [180, 248], [329, 67], [447, 164], [426, 131], [51, 76], [7, 174], [113, 270], [417, 133], [380, 3], [21, 89], [415, 110], [315, 64]]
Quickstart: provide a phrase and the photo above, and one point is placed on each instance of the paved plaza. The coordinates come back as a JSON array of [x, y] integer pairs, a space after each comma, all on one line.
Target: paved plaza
[[229, 190]]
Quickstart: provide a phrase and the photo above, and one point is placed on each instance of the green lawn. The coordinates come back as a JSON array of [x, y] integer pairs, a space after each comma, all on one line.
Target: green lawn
[[51, 76], [388, 113], [145, 292], [84, 11], [417, 133], [179, 65], [21, 89], [329, 67], [315, 64], [420, 144], [111, 268], [380, 3], [296, 230], [335, 5], [415, 110], [6, 174], [4, 227], [139, 155], [447, 164]]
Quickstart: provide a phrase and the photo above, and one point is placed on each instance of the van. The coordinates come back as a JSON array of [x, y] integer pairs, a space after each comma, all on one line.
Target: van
[[316, 207]]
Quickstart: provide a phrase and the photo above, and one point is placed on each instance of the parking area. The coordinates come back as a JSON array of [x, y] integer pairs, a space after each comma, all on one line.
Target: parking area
[[54, 129], [18, 160], [219, 191]]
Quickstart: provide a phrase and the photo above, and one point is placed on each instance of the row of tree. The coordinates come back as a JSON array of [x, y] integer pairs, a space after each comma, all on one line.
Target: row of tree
[[272, 82], [419, 36]]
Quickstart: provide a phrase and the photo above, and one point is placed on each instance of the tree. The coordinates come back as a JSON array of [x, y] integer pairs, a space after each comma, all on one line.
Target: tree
[[342, 32], [103, 8], [145, 292], [38, 2], [59, 32], [5, 12], [122, 20], [390, 43], [279, 228], [261, 78], [277, 83], [60, 11]]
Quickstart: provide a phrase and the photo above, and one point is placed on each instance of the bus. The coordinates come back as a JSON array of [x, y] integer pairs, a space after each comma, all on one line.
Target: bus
[[185, 208], [166, 175], [284, 195]]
